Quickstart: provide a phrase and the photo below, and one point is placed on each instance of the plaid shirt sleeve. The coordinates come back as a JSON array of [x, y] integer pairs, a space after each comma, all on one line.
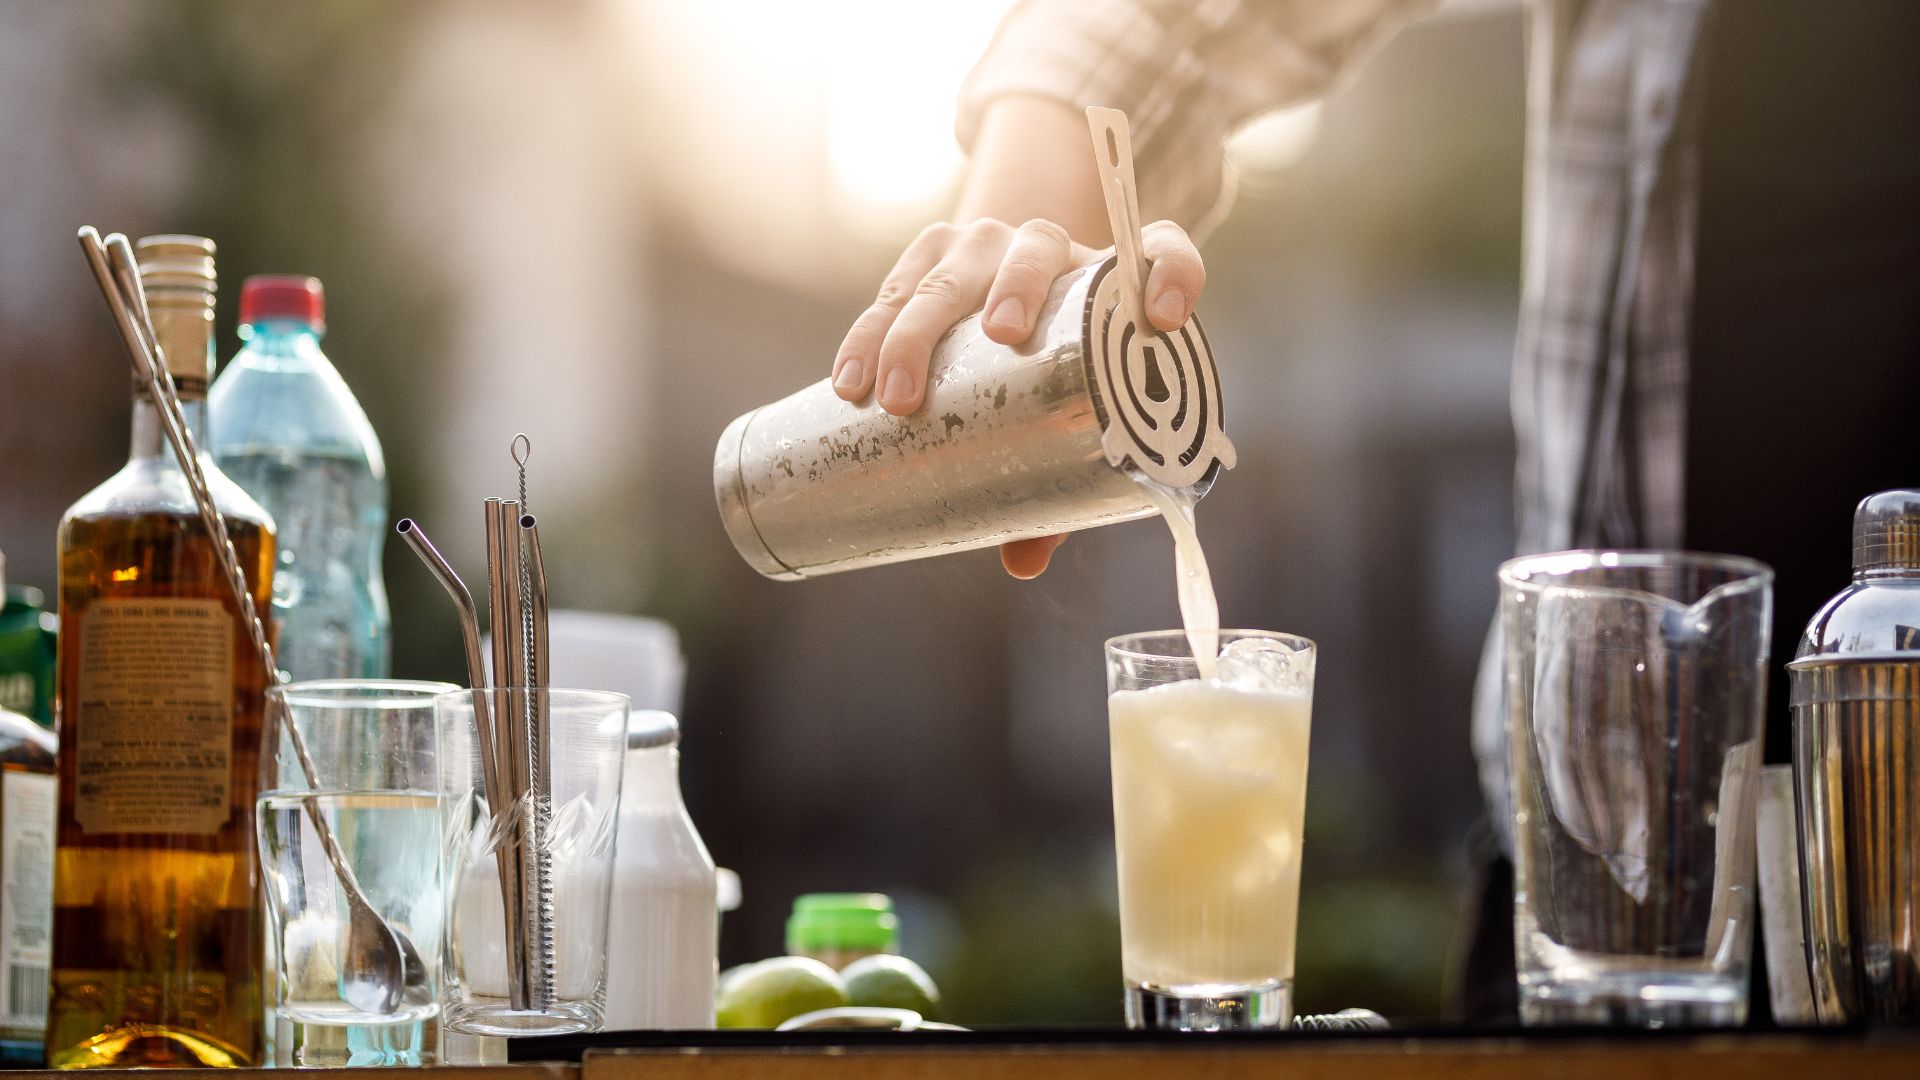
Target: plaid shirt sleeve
[[1187, 73], [1600, 361]]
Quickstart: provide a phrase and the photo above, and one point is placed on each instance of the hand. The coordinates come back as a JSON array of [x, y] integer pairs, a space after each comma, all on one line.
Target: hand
[[1027, 559], [951, 271]]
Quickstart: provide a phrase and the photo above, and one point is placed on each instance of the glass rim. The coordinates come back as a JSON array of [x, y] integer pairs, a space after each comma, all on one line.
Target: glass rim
[[1128, 644], [1749, 573], [360, 693], [607, 696]]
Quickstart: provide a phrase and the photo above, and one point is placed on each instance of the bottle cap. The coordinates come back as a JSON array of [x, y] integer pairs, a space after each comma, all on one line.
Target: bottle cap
[[283, 296], [176, 273], [176, 267], [835, 922], [1886, 532], [648, 729]]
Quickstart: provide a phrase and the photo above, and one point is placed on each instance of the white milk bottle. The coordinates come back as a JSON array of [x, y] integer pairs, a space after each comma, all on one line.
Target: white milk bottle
[[663, 922]]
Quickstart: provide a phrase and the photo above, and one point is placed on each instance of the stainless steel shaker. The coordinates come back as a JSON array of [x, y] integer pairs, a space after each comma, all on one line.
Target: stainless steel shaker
[[1012, 443], [1856, 717]]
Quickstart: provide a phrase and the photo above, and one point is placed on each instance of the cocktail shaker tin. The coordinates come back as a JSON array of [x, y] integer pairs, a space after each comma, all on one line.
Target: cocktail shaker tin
[[1857, 766], [1856, 717], [1012, 443]]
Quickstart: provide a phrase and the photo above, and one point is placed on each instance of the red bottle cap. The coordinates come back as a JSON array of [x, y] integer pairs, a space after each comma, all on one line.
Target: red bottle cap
[[283, 296]]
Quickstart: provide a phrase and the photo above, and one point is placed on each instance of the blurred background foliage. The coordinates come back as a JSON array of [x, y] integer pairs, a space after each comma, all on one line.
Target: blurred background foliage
[[615, 226]]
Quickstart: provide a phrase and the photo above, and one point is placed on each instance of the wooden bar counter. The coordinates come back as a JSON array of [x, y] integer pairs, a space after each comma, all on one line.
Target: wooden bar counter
[[1714, 1057], [1890, 1055]]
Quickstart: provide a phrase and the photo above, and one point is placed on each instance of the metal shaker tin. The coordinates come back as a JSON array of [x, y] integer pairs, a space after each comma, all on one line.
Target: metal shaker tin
[[1857, 765], [1012, 443], [1855, 691]]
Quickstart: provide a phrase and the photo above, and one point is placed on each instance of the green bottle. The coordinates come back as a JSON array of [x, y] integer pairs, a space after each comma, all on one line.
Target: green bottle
[[26, 651], [839, 928]]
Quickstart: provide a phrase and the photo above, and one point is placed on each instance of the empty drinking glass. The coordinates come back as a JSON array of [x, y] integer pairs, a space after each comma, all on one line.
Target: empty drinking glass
[[1636, 683], [530, 877]]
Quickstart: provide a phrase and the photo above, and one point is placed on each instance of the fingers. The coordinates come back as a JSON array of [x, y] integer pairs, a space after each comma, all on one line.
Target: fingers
[[1177, 275], [949, 272], [858, 360], [1041, 251], [949, 292], [1027, 559]]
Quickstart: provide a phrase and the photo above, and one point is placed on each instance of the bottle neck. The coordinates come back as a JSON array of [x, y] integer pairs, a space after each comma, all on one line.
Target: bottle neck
[[185, 333], [652, 777], [1886, 575], [281, 344], [150, 439]]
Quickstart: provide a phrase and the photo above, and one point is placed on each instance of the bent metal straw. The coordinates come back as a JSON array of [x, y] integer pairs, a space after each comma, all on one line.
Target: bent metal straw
[[493, 779]]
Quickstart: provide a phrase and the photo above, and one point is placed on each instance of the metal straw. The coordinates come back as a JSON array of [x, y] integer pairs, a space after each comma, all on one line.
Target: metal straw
[[496, 596], [376, 947], [509, 743], [542, 728], [537, 600], [518, 723], [513, 575], [470, 637]]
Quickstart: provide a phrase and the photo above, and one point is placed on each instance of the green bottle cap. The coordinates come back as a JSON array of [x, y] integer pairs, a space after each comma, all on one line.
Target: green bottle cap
[[842, 922]]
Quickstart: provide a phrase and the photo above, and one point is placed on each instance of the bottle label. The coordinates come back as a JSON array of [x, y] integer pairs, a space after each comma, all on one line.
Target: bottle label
[[16, 692], [153, 719], [27, 802]]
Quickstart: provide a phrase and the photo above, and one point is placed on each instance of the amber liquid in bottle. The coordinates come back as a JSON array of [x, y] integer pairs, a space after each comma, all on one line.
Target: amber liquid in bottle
[[156, 950]]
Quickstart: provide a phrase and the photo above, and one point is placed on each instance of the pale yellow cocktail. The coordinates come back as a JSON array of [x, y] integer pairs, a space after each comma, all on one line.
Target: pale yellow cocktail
[[1209, 793]]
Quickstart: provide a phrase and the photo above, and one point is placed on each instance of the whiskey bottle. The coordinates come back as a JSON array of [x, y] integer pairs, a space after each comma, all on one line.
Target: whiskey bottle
[[156, 957]]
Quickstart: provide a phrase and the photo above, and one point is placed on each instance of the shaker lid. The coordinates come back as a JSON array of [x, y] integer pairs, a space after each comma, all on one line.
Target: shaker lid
[[648, 729], [1886, 532]]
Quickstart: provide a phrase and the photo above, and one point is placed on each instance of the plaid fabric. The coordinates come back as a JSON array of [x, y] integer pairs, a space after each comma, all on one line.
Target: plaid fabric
[[1600, 361], [1187, 72]]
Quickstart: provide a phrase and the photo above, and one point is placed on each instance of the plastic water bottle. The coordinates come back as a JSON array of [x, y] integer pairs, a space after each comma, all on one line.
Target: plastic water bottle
[[287, 429]]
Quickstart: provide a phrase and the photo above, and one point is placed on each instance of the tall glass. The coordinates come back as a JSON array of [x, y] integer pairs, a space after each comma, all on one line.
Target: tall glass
[[532, 899], [1636, 685], [372, 743], [1209, 793]]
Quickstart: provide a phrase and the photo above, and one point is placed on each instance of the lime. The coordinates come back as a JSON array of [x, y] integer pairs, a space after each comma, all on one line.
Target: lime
[[726, 977], [891, 982], [763, 995]]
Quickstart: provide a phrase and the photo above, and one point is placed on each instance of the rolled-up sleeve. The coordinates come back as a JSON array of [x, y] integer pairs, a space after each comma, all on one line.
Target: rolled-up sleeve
[[1187, 73]]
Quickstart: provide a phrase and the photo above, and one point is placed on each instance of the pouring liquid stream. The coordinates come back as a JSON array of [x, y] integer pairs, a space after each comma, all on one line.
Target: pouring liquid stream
[[1199, 608], [1209, 796]]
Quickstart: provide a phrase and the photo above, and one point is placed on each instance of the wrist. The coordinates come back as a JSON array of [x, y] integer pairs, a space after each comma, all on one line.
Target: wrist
[[1032, 159]]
